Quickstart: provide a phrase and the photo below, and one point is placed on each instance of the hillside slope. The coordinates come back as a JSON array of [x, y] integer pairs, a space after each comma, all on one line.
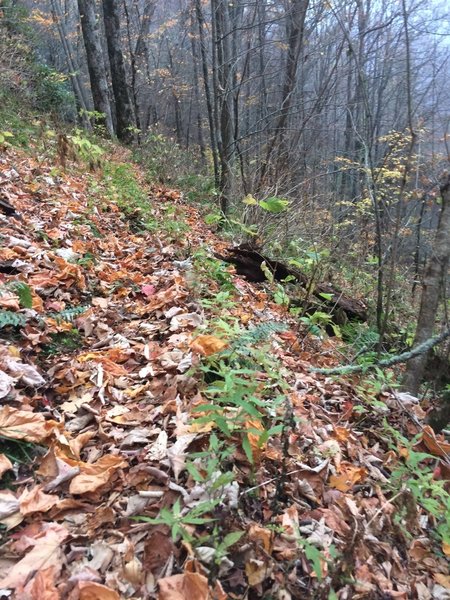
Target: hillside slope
[[140, 378]]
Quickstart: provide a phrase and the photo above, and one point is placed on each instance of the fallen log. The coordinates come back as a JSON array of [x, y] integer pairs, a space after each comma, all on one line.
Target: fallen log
[[248, 263]]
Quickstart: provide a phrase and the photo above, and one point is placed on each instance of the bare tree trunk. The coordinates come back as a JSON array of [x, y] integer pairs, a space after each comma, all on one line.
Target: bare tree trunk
[[223, 98], [195, 61], [80, 96], [138, 51], [124, 110], [95, 61], [435, 277], [208, 96], [295, 30]]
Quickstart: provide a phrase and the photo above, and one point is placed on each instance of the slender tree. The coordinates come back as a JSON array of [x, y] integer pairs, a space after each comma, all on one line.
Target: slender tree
[[95, 61], [124, 108], [434, 279]]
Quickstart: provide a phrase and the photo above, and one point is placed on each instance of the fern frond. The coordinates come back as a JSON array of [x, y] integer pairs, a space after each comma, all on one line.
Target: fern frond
[[68, 315], [10, 318], [23, 290], [262, 332]]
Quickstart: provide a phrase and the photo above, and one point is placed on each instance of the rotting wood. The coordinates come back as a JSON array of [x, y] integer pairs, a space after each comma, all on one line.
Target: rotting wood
[[248, 263]]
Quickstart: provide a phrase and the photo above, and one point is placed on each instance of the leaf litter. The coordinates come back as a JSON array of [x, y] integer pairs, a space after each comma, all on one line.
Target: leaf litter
[[112, 417]]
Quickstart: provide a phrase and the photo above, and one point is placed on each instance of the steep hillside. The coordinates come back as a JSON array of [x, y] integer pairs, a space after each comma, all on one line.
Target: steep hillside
[[162, 432]]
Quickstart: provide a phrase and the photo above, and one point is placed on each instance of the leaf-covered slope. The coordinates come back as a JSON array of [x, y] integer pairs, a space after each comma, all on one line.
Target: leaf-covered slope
[[162, 433]]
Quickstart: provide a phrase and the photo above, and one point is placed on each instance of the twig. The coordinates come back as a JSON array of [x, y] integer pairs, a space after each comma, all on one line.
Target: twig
[[388, 362]]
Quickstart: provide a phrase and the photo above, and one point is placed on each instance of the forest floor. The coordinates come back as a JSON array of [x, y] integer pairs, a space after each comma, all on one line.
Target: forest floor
[[163, 434]]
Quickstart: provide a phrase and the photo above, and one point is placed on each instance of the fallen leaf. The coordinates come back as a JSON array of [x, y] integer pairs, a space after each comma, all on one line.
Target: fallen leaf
[[348, 477], [5, 464], [46, 552], [92, 476], [23, 425], [35, 500], [207, 345], [43, 585], [435, 446], [188, 586], [257, 571], [9, 504], [177, 453], [6, 384], [257, 533], [89, 590]]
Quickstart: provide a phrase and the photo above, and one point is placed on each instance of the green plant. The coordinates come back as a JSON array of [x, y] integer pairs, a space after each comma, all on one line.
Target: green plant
[[86, 150], [4, 136], [415, 476], [22, 290], [53, 92], [207, 267], [63, 342], [179, 520], [13, 319], [68, 315], [238, 401], [206, 466], [318, 321]]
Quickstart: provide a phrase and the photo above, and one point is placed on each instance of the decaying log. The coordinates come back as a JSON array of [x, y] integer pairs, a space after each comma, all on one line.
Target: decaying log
[[247, 262]]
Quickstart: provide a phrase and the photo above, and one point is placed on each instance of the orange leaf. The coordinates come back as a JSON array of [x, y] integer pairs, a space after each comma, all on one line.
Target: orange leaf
[[208, 345], [189, 586], [346, 479], [23, 425], [36, 500], [93, 476], [96, 591], [435, 446], [43, 586]]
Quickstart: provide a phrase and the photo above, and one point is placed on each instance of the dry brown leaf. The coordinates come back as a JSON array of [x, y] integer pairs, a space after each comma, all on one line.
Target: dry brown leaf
[[77, 444], [257, 571], [5, 464], [206, 345], [89, 590], [9, 301], [46, 551], [257, 533], [35, 500], [188, 586], [435, 446], [157, 550], [443, 580], [23, 425], [43, 585], [93, 476], [349, 475]]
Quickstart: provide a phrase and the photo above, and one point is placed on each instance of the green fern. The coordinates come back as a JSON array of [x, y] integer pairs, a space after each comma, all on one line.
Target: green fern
[[262, 332], [69, 314], [10, 318], [23, 291], [361, 337]]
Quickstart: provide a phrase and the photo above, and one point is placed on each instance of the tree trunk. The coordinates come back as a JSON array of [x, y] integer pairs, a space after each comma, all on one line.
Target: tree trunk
[[95, 61], [140, 50], [435, 277], [208, 95], [295, 33], [124, 109], [75, 78], [223, 98]]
